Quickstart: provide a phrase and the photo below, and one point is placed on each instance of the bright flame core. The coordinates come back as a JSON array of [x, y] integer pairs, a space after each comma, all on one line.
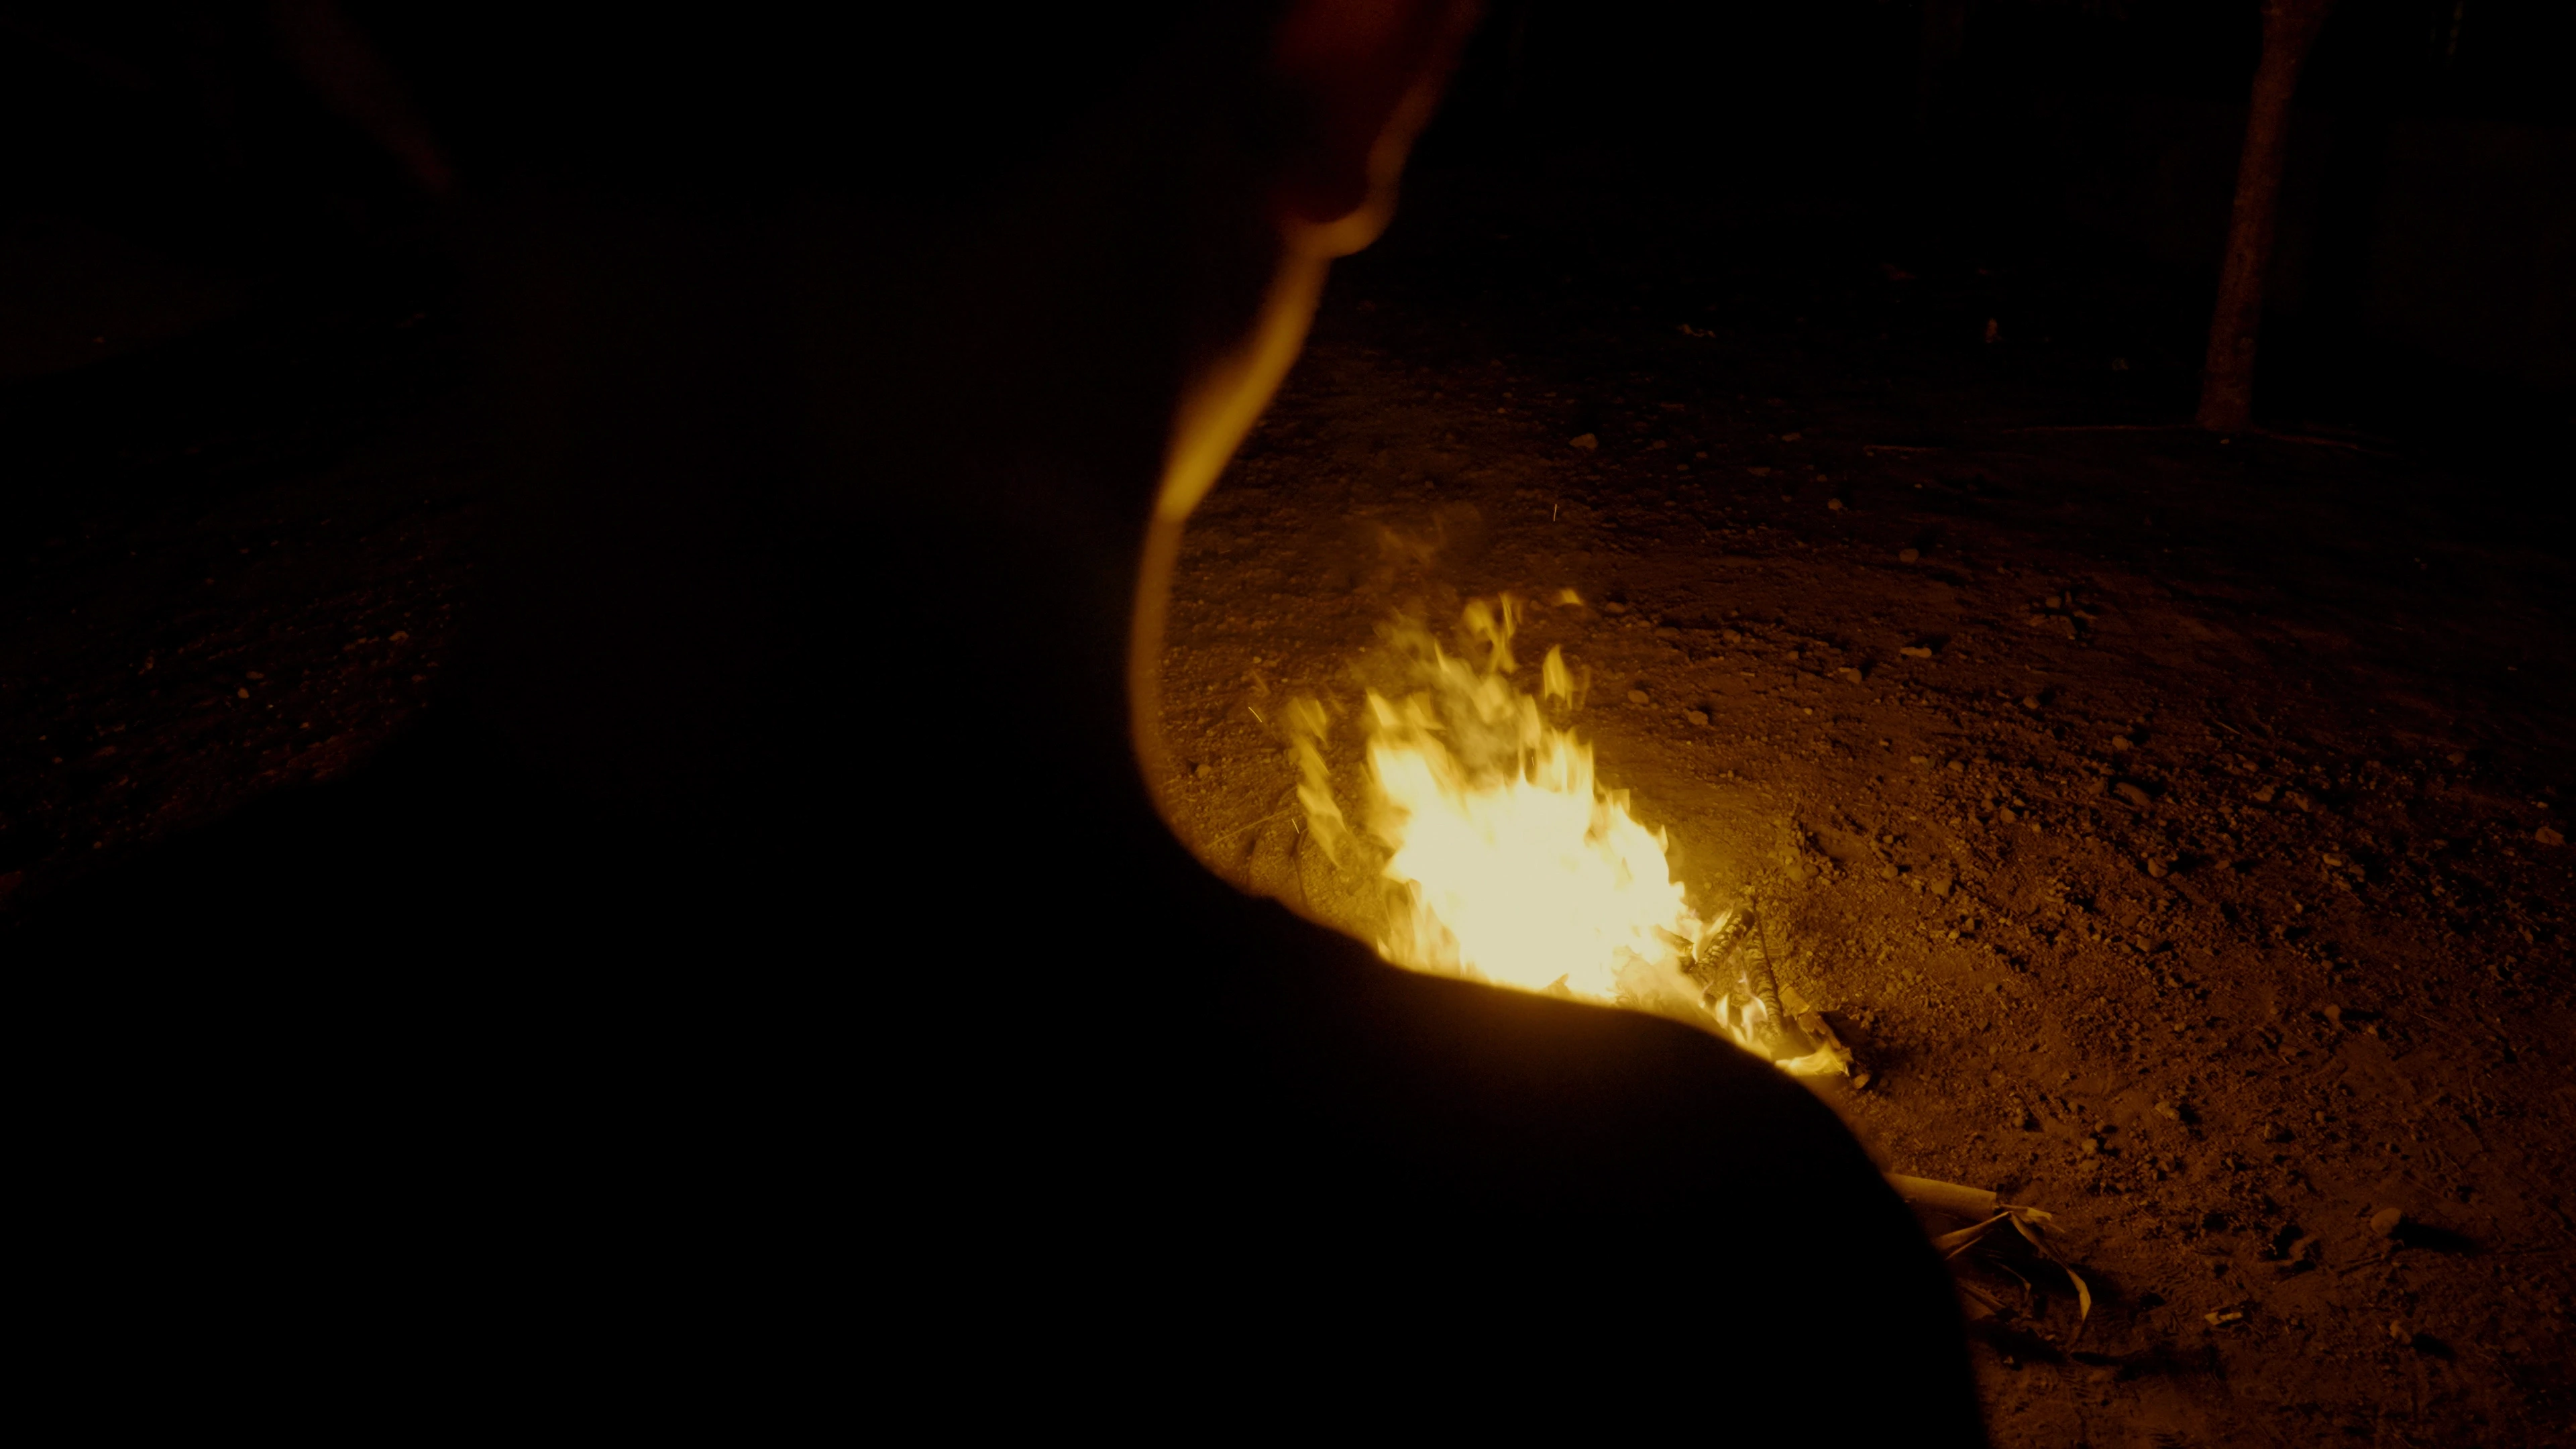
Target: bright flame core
[[1516, 866]]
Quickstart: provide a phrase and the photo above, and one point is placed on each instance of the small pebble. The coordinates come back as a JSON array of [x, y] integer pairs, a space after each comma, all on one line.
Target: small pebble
[[2387, 1221], [2133, 794], [1915, 651], [1587, 441], [2122, 742], [2030, 701], [1697, 717], [1835, 504], [1908, 555], [241, 694], [1636, 696]]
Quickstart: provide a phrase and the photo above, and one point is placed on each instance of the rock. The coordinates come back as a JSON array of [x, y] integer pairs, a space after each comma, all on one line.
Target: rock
[[2133, 794], [2221, 1319], [1759, 472], [2332, 1013], [1849, 673], [1637, 696], [1835, 504], [2387, 1222], [1908, 555], [2123, 743], [1791, 437], [2169, 1111], [2547, 836], [1915, 651], [2092, 1146], [1695, 716], [2030, 701], [1587, 441]]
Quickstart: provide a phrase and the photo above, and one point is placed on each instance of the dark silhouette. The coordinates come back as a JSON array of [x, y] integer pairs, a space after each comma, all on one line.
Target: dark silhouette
[[777, 921]]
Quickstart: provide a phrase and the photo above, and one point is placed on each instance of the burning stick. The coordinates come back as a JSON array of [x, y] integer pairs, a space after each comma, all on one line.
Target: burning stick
[[1775, 1008], [1766, 986], [1713, 966]]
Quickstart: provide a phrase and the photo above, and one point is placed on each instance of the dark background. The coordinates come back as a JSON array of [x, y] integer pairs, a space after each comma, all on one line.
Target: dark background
[[214, 292], [164, 176], [2421, 282]]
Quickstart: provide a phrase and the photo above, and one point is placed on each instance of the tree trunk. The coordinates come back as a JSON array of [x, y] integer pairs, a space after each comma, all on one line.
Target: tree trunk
[[2227, 381]]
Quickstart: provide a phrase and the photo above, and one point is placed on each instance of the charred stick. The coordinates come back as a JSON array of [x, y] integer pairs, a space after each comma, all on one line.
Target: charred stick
[[1766, 985]]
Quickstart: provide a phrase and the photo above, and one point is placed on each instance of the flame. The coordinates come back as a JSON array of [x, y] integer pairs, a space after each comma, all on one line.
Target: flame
[[1514, 865]]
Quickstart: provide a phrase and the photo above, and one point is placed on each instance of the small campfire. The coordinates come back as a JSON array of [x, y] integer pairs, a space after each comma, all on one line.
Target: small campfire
[[1504, 859], [1512, 864]]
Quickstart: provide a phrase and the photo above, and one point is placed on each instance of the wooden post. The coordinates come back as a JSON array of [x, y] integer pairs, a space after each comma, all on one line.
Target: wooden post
[[2227, 380]]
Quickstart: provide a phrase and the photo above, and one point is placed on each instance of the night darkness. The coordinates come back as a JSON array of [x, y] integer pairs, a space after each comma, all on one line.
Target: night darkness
[[2170, 817]]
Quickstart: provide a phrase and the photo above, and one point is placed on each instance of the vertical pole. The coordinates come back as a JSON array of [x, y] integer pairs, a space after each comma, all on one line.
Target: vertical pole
[[2227, 379]]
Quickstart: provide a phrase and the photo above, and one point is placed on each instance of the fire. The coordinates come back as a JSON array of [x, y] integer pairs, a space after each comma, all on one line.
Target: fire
[[1511, 863]]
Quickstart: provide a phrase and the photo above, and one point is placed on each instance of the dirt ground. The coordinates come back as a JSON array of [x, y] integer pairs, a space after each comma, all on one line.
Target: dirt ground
[[2172, 823], [2197, 877]]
